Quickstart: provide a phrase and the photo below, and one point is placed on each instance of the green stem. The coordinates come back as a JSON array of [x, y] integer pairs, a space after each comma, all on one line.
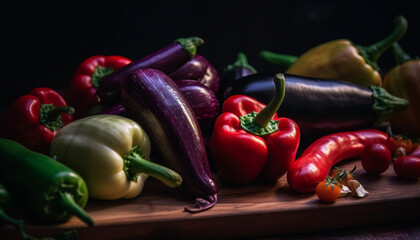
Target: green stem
[[399, 54], [241, 62], [261, 123], [50, 116], [99, 73], [135, 163], [385, 103], [190, 44], [67, 202], [372, 53], [16, 223], [278, 59]]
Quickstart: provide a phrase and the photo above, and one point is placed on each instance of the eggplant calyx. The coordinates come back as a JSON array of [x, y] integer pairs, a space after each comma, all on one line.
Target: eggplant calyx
[[385, 103], [190, 44], [202, 204]]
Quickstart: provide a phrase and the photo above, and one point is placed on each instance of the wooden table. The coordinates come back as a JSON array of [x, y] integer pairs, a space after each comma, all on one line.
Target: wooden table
[[256, 211]]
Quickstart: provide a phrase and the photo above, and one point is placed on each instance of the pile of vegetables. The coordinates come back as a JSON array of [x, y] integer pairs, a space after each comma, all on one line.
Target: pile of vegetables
[[170, 116]]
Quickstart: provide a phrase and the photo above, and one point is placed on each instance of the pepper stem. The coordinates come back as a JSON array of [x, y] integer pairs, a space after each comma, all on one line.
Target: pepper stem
[[16, 223], [400, 55], [241, 62], [385, 103], [50, 116], [135, 163], [261, 123], [372, 53], [99, 73], [278, 59], [190, 44], [67, 202]]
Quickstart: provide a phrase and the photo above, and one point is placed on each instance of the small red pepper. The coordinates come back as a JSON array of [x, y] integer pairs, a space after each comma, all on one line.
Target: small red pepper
[[34, 119], [249, 140], [81, 90]]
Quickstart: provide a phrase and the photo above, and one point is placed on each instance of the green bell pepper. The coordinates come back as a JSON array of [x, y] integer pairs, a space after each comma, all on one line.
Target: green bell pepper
[[111, 153]]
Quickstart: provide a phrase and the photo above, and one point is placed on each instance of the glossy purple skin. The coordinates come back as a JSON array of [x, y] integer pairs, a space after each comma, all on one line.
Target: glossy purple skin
[[229, 77], [167, 59], [202, 100], [155, 101], [199, 69]]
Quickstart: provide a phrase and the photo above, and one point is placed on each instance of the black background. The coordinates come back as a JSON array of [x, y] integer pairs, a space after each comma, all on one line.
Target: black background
[[44, 41]]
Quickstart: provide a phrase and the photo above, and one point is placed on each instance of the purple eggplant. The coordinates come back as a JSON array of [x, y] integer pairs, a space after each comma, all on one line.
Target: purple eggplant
[[167, 60], [240, 68], [203, 102], [154, 100], [199, 69]]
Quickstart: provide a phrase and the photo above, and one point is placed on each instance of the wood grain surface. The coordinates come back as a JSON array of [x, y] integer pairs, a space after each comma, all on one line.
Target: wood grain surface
[[255, 211]]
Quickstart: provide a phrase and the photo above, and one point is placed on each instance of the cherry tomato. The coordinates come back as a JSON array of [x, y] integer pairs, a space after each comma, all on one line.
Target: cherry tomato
[[404, 143], [376, 158], [407, 167], [328, 190], [342, 176]]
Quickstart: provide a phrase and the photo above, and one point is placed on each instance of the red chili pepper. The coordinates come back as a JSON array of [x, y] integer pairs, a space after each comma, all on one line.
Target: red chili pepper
[[81, 90], [249, 140], [34, 119], [316, 161]]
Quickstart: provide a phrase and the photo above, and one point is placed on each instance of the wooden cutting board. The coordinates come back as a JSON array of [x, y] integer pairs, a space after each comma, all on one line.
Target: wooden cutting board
[[259, 210]]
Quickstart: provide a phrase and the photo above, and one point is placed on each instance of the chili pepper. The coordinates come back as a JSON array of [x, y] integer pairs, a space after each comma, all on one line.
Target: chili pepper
[[343, 60], [112, 154], [80, 92], [249, 140], [34, 119], [47, 189], [316, 161], [404, 81]]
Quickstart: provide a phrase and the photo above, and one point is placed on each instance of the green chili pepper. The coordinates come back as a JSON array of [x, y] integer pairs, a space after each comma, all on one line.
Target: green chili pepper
[[47, 189]]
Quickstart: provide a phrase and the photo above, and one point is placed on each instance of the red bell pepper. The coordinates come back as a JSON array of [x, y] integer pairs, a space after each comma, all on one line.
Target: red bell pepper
[[34, 119], [249, 140], [81, 90]]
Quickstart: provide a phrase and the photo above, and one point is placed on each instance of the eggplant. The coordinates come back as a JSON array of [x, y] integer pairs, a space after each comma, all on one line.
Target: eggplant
[[154, 100], [167, 59], [321, 106], [203, 102], [199, 69], [240, 68]]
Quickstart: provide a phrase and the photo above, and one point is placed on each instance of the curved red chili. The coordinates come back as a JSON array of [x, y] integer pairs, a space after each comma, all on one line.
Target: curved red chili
[[316, 161]]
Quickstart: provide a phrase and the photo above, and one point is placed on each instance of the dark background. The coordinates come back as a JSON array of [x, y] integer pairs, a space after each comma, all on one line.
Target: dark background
[[44, 41]]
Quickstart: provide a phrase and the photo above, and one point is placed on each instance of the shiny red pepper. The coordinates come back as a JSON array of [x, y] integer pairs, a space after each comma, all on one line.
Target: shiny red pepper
[[34, 119], [81, 90], [249, 140]]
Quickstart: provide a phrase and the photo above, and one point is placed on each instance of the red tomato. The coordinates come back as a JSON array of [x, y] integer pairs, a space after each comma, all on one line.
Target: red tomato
[[376, 158], [407, 167], [328, 190]]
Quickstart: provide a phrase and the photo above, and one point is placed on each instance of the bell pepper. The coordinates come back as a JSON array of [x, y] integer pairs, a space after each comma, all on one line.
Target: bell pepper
[[341, 59], [34, 119], [111, 153], [249, 140], [80, 93], [404, 81]]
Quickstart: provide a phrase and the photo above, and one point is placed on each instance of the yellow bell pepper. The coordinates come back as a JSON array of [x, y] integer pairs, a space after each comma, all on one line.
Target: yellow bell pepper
[[111, 153]]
